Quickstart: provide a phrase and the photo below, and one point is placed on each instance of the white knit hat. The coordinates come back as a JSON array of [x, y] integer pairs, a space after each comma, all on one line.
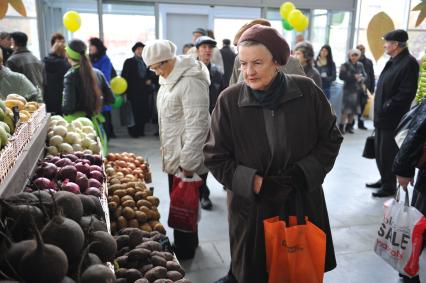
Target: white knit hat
[[157, 51]]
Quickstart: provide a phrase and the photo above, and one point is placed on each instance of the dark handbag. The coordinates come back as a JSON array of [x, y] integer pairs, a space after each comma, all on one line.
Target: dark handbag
[[421, 163], [369, 151]]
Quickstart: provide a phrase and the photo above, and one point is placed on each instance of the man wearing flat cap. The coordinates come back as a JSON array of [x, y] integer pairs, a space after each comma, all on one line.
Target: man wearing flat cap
[[396, 89], [139, 89], [272, 141], [216, 57]]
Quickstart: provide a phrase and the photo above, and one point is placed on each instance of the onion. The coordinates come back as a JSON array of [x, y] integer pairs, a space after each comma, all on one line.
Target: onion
[[54, 159], [63, 162], [97, 175], [42, 183], [28, 190], [79, 154], [70, 187], [94, 183], [71, 157], [67, 172], [83, 168], [82, 181], [93, 191], [96, 168], [97, 159], [47, 170]]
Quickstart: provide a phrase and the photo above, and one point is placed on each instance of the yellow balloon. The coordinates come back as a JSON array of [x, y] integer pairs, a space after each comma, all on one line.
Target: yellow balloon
[[286, 8], [72, 21], [294, 17], [302, 24], [118, 85]]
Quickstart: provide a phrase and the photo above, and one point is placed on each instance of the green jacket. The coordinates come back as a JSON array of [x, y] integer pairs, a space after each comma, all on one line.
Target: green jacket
[[13, 82]]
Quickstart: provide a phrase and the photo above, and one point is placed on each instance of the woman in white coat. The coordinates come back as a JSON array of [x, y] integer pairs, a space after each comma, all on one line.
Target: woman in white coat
[[184, 120]]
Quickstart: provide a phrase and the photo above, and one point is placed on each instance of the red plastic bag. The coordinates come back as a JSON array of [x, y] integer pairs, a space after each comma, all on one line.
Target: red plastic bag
[[185, 202]]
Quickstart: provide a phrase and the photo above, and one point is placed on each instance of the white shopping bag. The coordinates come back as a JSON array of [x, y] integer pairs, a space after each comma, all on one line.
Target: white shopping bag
[[400, 236]]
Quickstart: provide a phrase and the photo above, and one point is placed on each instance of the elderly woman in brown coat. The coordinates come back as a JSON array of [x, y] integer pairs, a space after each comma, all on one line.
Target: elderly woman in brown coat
[[271, 136]]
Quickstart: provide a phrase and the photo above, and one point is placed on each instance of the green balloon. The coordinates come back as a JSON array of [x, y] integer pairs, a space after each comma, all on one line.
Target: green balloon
[[118, 102], [286, 25]]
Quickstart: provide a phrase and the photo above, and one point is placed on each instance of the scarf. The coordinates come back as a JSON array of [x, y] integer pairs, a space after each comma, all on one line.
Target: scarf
[[270, 97]]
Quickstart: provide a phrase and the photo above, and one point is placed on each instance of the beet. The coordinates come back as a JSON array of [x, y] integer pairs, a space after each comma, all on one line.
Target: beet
[[70, 187], [23, 197], [70, 205], [82, 181], [88, 203], [97, 175], [66, 234], [83, 168], [43, 196], [22, 216], [43, 263], [104, 245], [98, 273], [93, 191], [67, 280], [94, 183], [14, 255], [91, 223], [47, 170], [63, 162], [98, 207], [67, 172], [43, 184]]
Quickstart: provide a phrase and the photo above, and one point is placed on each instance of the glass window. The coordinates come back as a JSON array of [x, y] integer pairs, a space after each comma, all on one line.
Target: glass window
[[123, 26], [319, 29], [416, 35], [227, 28], [89, 27], [338, 37], [15, 22]]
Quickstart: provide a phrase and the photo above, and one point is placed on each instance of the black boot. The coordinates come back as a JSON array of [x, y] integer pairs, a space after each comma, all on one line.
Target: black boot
[[349, 128], [361, 125]]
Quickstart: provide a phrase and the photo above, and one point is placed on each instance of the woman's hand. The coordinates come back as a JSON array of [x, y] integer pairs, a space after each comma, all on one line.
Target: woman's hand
[[188, 174], [257, 184], [404, 181]]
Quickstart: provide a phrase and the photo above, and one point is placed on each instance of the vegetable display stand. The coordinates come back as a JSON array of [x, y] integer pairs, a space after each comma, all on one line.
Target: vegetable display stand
[[17, 177]]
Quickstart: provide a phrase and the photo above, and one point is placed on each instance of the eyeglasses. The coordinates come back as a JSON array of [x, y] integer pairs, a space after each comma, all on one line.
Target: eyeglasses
[[157, 66]]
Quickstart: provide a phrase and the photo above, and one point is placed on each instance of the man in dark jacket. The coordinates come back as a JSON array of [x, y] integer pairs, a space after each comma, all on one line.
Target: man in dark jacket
[[5, 44], [370, 83], [205, 46], [139, 88], [395, 91], [24, 62], [55, 66], [228, 57]]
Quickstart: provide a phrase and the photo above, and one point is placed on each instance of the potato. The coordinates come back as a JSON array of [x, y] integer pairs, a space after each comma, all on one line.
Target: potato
[[113, 227], [122, 222], [166, 255], [126, 180], [121, 280], [163, 281], [173, 266], [155, 215], [151, 245], [145, 268], [115, 181], [174, 275], [143, 202], [121, 273], [116, 186], [126, 197], [131, 191], [123, 251], [141, 217], [146, 210], [160, 228], [122, 241], [133, 274], [128, 213], [157, 272], [149, 193], [117, 212], [139, 254], [159, 261], [130, 203], [133, 223], [136, 237], [139, 195], [142, 280], [183, 281], [146, 227], [154, 200], [112, 206], [122, 262], [120, 193]]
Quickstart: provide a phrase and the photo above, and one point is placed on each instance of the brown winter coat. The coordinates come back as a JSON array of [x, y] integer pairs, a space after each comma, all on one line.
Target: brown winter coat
[[245, 139]]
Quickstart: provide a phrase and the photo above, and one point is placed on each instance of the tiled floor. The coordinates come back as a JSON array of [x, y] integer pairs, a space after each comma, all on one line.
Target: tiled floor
[[354, 216]]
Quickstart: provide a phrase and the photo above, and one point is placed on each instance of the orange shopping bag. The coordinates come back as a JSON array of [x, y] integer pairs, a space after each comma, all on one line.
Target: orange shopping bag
[[295, 252]]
